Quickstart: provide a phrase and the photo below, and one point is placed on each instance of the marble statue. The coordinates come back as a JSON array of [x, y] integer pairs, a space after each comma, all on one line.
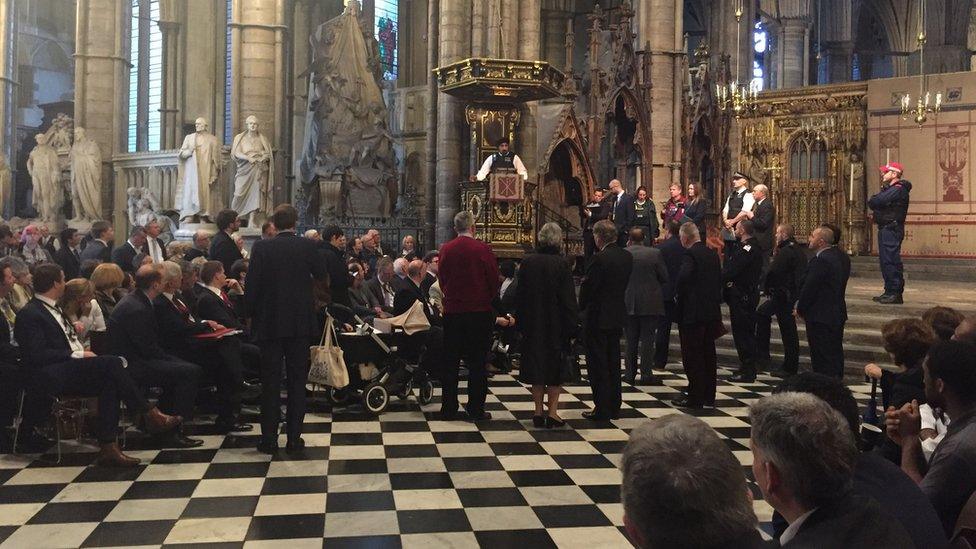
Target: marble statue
[[199, 169], [59, 134], [254, 182], [5, 188], [86, 177], [42, 165], [143, 207]]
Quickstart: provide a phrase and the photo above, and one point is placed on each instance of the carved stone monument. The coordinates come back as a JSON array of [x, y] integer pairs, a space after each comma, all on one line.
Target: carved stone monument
[[254, 181], [42, 165], [199, 170], [143, 207], [86, 178]]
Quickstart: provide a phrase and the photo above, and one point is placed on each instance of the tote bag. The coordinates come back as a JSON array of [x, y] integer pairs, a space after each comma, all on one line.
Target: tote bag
[[328, 367]]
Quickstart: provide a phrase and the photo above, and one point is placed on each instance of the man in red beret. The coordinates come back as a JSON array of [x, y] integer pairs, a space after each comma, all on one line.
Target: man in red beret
[[888, 209]]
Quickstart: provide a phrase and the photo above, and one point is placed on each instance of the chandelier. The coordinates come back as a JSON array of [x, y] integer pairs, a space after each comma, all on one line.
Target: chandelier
[[919, 108], [734, 97]]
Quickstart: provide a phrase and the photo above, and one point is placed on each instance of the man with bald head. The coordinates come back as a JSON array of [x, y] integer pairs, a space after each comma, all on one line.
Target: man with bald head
[[821, 305], [409, 291], [621, 211], [201, 243]]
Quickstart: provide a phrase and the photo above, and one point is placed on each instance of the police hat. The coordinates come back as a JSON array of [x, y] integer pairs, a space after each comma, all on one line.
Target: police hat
[[740, 175], [501, 141]]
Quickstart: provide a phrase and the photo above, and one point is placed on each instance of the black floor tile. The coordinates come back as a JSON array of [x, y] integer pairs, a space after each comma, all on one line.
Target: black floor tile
[[603, 493], [286, 526], [356, 439], [121, 534], [295, 485], [88, 511], [364, 542], [420, 481], [553, 477], [436, 520], [30, 493], [411, 451], [459, 464], [184, 456], [347, 502], [517, 449], [536, 539], [110, 474], [237, 470], [159, 489], [405, 426], [491, 497], [454, 437], [571, 516], [585, 461], [356, 466], [236, 506]]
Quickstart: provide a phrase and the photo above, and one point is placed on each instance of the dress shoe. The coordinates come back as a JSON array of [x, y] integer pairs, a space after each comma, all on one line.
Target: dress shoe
[[483, 416], [176, 439], [538, 421], [740, 377], [891, 299], [158, 422], [251, 393], [594, 415], [233, 427], [650, 380], [685, 402], [111, 456], [554, 422], [270, 448], [295, 446], [630, 380], [779, 372]]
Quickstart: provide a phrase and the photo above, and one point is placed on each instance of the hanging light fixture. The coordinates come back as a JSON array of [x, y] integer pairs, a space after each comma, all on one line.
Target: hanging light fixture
[[919, 108], [733, 96]]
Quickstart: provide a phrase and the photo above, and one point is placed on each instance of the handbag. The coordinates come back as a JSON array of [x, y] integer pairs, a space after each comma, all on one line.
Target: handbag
[[328, 367]]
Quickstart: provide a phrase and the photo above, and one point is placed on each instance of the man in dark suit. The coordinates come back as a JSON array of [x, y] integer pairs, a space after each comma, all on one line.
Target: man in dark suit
[[221, 303], [201, 246], [673, 253], [782, 284], [381, 289], [763, 217], [740, 275], [69, 255], [432, 260], [803, 460], [133, 333], [280, 303], [645, 306], [57, 364], [835, 251], [221, 358], [409, 293], [10, 371], [822, 306], [698, 291], [135, 245], [154, 245], [469, 279], [597, 210], [100, 245], [222, 247], [601, 300], [333, 247], [621, 211]]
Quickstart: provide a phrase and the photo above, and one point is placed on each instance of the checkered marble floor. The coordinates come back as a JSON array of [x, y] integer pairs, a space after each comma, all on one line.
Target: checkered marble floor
[[398, 480]]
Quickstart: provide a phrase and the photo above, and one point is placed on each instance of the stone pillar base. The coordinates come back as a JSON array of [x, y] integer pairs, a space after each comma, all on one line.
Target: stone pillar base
[[187, 230]]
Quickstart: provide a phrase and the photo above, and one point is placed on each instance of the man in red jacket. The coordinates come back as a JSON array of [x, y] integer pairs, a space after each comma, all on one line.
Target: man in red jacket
[[469, 279]]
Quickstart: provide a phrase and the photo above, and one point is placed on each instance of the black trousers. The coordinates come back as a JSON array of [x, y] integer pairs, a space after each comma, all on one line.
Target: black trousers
[[222, 364], [102, 377], [662, 340], [640, 334], [603, 370], [294, 353], [889, 257], [589, 245], [251, 357], [742, 317], [782, 308], [466, 336], [700, 362], [178, 379], [10, 384], [826, 348]]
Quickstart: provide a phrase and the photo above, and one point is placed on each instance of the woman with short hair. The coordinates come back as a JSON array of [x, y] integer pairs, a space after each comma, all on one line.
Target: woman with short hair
[[107, 279], [81, 308]]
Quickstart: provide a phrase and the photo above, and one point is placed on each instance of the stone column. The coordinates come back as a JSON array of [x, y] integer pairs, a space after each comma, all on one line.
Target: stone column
[[659, 25], [554, 40], [478, 28], [838, 56], [794, 48], [454, 43], [509, 30], [8, 82], [835, 20], [170, 26], [101, 82], [430, 143], [529, 40]]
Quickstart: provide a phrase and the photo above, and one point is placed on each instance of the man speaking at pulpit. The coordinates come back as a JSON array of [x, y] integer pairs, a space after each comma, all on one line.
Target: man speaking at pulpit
[[501, 161]]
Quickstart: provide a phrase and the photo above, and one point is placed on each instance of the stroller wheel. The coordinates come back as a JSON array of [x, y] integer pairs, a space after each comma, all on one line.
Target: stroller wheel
[[407, 390], [426, 392], [337, 397], [376, 397]]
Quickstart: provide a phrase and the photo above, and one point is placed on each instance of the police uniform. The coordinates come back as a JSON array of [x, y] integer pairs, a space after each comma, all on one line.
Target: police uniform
[[734, 203], [741, 275], [502, 161], [890, 207], [783, 282]]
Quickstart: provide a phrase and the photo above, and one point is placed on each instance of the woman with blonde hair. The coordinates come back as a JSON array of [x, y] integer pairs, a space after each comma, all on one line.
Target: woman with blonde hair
[[695, 206], [107, 280], [81, 308]]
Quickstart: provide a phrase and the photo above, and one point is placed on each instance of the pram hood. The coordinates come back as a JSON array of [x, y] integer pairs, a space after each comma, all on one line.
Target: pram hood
[[411, 322]]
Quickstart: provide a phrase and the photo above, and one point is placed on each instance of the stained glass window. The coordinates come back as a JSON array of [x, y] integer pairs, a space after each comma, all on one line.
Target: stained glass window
[[145, 77], [386, 35], [759, 48]]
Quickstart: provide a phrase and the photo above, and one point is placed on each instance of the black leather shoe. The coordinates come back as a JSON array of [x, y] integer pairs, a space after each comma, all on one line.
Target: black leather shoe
[[650, 380], [483, 416], [891, 299], [879, 297], [740, 377], [684, 402], [594, 415], [538, 421], [226, 428], [295, 446], [176, 439], [270, 448], [552, 422]]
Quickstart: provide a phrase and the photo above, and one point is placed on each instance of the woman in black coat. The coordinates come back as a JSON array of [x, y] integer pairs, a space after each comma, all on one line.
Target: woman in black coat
[[695, 206], [547, 316]]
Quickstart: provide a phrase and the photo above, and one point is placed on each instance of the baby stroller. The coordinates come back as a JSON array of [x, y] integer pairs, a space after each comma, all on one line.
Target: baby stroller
[[396, 357]]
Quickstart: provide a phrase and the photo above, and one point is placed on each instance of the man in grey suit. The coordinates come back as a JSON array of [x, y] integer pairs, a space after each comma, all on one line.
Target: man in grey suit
[[645, 306]]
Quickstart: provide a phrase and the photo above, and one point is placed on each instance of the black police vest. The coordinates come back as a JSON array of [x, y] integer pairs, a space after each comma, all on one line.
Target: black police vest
[[503, 161], [735, 202], [892, 213]]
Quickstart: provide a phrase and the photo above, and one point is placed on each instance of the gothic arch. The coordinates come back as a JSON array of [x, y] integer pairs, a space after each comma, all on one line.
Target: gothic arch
[[637, 113]]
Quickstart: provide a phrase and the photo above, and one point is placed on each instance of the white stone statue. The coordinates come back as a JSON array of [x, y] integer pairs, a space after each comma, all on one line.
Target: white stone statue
[[254, 181], [42, 165], [141, 206], [5, 189], [86, 177], [200, 167]]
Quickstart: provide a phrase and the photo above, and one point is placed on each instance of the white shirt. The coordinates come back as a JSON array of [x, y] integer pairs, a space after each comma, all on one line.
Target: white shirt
[[155, 251], [94, 321], [794, 526], [505, 284], [388, 293], [77, 348], [486, 167], [748, 201]]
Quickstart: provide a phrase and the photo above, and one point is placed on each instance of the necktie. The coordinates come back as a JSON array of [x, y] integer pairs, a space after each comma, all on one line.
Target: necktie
[[180, 306], [226, 298], [387, 294]]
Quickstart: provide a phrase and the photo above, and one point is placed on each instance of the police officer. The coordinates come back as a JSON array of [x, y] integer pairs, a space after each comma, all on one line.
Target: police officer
[[782, 287], [737, 207], [889, 208], [741, 277], [504, 159]]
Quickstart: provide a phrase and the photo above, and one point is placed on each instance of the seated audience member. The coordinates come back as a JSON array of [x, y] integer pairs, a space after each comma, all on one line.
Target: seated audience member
[[380, 289], [359, 302], [670, 500], [100, 246], [803, 459], [400, 270], [436, 296], [177, 250], [408, 249], [107, 279], [80, 307], [238, 271], [134, 335], [410, 292], [354, 248], [9, 241], [10, 376], [874, 476], [32, 251], [312, 234], [68, 255], [124, 255], [432, 260], [88, 268], [218, 304], [950, 384], [23, 289], [58, 365], [332, 245], [906, 340], [154, 245], [201, 246], [141, 259], [943, 320], [222, 357], [966, 330]]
